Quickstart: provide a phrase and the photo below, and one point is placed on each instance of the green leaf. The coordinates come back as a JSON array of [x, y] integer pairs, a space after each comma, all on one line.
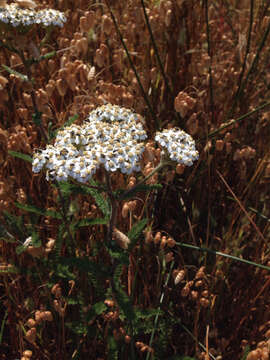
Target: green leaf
[[20, 249], [96, 309], [113, 348], [99, 308], [15, 223], [20, 156], [16, 73], [34, 209], [64, 272], [88, 222], [123, 300], [6, 236], [137, 229], [101, 202], [37, 118], [85, 265], [76, 327], [121, 256]]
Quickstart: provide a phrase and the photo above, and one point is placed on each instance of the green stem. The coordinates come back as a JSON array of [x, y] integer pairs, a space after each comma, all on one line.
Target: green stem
[[233, 122], [114, 206], [159, 308], [231, 257]]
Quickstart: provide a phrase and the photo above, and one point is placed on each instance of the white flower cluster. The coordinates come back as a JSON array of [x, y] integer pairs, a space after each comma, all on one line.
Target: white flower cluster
[[14, 15], [179, 145], [111, 137]]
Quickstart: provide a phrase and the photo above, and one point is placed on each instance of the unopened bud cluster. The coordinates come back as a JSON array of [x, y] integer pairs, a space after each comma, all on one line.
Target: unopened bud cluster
[[179, 146], [111, 137], [16, 16]]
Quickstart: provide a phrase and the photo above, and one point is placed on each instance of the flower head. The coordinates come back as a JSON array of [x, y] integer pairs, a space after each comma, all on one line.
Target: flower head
[[111, 137], [179, 146], [15, 15]]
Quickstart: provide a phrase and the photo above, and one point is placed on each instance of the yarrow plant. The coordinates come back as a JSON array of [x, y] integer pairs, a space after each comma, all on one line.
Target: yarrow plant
[[112, 137], [15, 15]]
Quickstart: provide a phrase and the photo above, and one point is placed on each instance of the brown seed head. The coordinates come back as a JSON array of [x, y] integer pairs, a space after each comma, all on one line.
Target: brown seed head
[[121, 239], [31, 335], [28, 353]]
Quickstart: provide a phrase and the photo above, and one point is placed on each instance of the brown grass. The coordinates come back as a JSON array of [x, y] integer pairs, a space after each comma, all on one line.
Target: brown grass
[[215, 58]]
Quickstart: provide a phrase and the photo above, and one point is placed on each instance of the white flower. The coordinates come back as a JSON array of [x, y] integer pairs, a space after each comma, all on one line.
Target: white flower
[[112, 137], [16, 16], [179, 145]]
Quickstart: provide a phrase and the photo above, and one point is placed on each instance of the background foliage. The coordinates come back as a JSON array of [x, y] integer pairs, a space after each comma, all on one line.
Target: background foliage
[[194, 284]]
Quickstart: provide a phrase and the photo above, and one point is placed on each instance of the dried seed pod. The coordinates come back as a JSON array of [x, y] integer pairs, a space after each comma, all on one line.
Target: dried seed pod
[[254, 355], [82, 46], [205, 293], [121, 239], [132, 205], [157, 238], [169, 257], [109, 303], [50, 244], [3, 82], [23, 113], [125, 210], [107, 24], [148, 236], [47, 316], [38, 316], [139, 344], [219, 145], [28, 353], [198, 283], [91, 73], [56, 291], [185, 291], [200, 273], [168, 18], [194, 294], [71, 81], [171, 242], [84, 25], [99, 58], [31, 335], [204, 302], [267, 334], [26, 4], [163, 242], [61, 86], [91, 17], [27, 99], [127, 339], [31, 323], [193, 124], [178, 275]]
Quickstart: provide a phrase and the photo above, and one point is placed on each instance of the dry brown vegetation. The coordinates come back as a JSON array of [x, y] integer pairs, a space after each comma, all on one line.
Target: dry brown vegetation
[[190, 290]]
